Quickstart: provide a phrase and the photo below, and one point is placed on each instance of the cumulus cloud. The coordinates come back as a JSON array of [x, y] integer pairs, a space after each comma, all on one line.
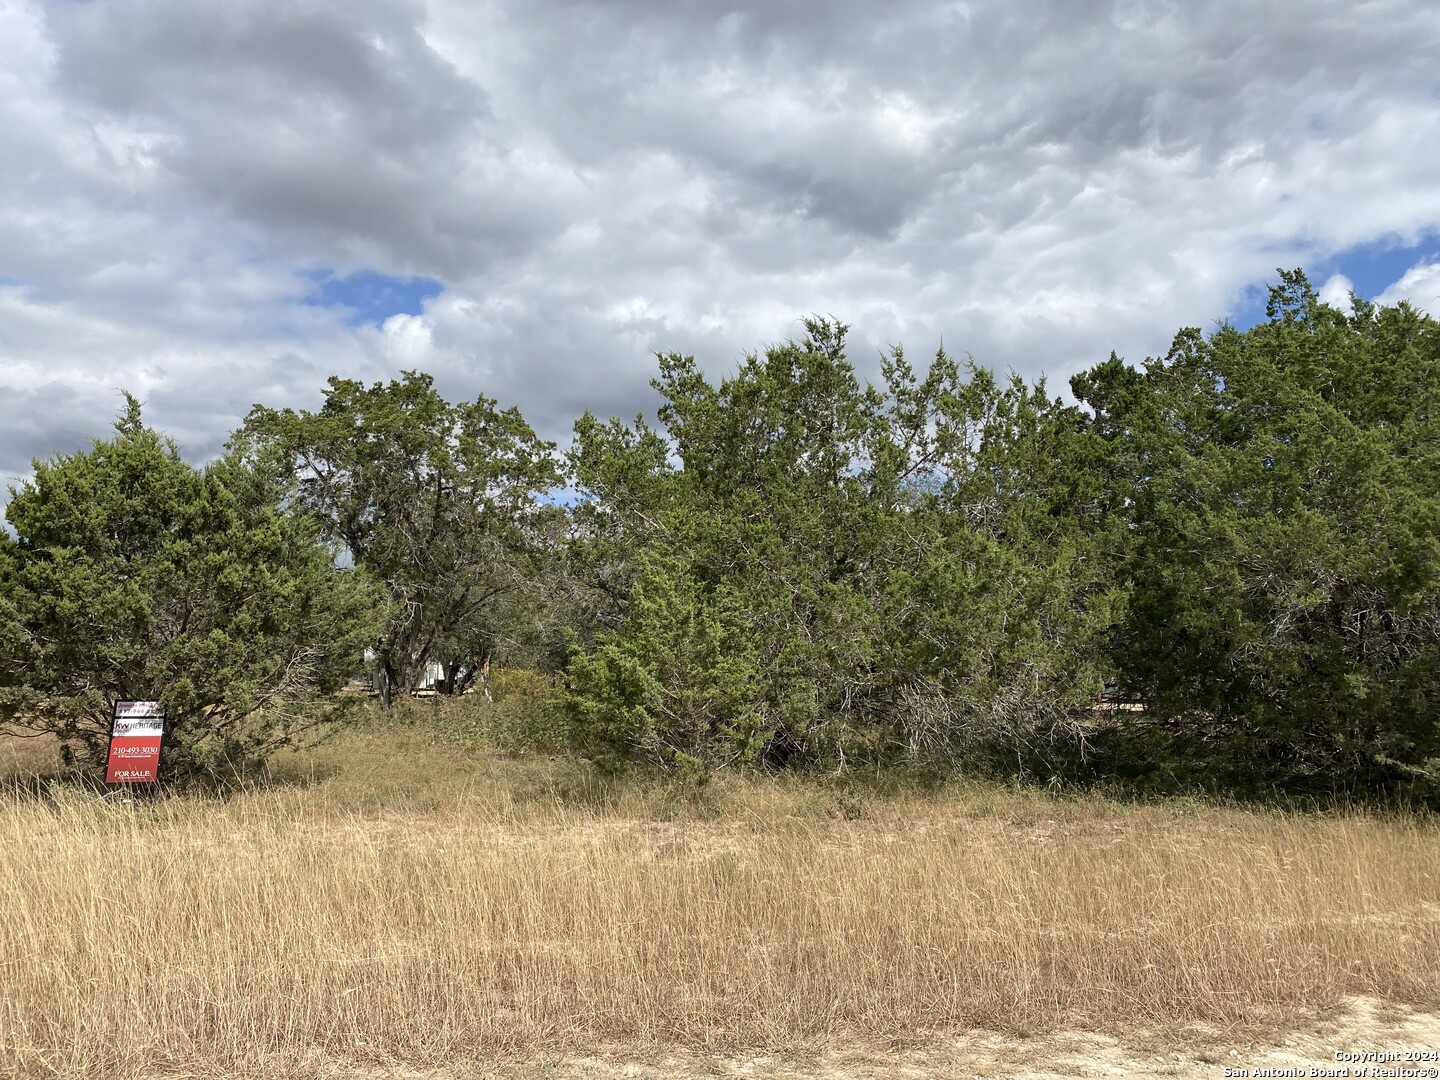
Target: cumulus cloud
[[1336, 292], [1420, 287], [590, 182]]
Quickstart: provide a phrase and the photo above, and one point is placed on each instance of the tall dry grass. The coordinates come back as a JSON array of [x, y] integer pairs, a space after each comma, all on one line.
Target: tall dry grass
[[473, 907]]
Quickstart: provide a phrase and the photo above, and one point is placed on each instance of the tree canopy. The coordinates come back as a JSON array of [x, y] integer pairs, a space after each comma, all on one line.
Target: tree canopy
[[438, 502], [1279, 489], [135, 575], [801, 566], [791, 565], [1243, 534]]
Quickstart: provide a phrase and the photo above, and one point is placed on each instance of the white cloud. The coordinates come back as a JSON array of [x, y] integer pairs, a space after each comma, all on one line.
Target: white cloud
[[1420, 285], [409, 341], [1037, 185], [1336, 292]]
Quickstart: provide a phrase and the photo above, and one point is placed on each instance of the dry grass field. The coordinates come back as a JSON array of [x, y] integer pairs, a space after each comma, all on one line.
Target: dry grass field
[[396, 907]]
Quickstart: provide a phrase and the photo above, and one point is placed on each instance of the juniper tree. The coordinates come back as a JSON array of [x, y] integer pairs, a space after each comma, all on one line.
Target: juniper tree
[[136, 575]]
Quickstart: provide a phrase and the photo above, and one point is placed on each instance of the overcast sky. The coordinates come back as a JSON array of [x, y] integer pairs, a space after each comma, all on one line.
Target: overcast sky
[[213, 205]]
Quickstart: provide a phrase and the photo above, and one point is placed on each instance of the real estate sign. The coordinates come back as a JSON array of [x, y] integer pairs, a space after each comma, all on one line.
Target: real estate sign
[[135, 736]]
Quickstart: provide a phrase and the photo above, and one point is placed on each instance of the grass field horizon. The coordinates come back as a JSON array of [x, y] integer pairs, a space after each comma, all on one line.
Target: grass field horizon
[[391, 899]]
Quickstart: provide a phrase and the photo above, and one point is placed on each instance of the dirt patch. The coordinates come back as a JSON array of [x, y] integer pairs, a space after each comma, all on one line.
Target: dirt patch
[[1365, 1026]]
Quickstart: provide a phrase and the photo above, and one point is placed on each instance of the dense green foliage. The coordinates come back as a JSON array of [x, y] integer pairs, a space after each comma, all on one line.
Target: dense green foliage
[[134, 575], [1282, 499], [791, 566], [1244, 533], [802, 568], [436, 501]]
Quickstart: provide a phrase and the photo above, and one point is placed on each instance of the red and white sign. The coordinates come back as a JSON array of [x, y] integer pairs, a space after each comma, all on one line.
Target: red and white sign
[[134, 756]]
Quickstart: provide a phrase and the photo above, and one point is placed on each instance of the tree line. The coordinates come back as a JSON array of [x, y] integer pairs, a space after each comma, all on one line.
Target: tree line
[[794, 567]]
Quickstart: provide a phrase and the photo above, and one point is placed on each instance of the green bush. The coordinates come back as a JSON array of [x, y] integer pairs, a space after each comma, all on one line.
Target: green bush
[[137, 576]]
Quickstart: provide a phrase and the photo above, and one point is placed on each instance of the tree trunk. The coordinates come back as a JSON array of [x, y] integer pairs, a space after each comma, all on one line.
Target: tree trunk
[[384, 684]]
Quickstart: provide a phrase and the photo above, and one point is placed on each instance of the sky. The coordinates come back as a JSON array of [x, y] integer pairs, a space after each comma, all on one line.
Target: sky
[[218, 205]]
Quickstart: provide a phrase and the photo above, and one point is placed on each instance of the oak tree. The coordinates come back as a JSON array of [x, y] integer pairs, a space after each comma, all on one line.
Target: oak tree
[[438, 502]]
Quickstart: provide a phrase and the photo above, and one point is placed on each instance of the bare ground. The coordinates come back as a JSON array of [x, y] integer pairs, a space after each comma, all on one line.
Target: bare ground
[[1366, 1025]]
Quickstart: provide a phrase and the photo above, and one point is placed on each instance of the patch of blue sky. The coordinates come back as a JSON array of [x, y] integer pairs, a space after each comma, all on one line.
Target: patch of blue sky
[[368, 297], [1371, 268], [567, 496], [1249, 308]]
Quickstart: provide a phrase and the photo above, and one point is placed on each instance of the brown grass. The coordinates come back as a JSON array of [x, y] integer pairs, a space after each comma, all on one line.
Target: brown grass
[[444, 905]]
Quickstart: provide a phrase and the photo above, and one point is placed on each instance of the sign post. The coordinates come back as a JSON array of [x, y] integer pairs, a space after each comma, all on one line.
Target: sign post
[[135, 735]]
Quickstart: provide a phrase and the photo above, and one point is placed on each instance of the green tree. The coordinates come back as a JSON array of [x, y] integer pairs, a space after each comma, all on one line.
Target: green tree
[[134, 575], [1012, 593], [438, 502], [1282, 488], [800, 567], [728, 553]]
